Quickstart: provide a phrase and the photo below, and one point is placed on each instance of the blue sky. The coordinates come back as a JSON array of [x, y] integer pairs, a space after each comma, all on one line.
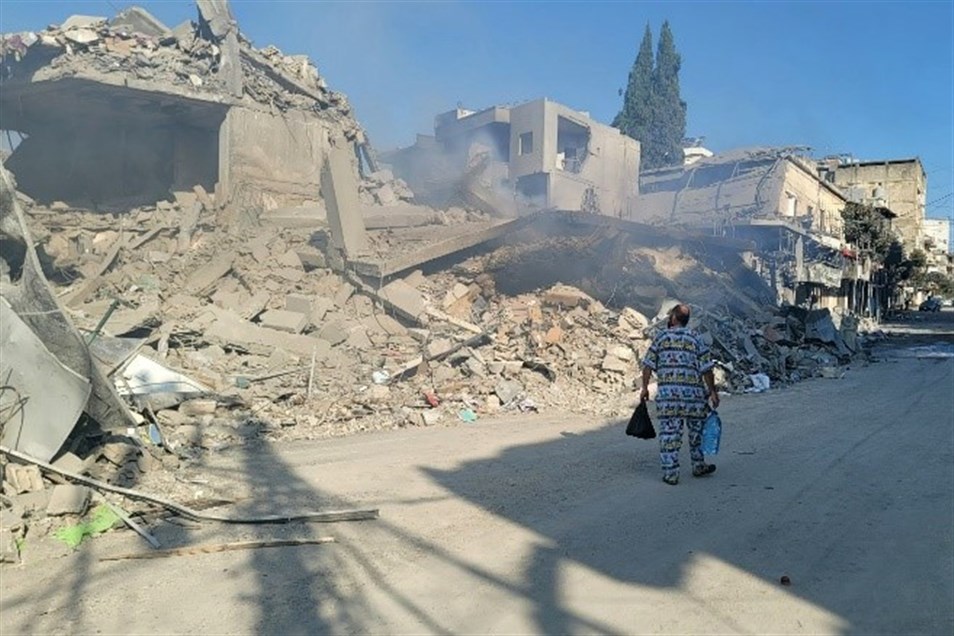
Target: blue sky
[[874, 79]]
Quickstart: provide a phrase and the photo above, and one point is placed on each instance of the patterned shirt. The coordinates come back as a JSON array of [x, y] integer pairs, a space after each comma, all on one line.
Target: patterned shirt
[[679, 358]]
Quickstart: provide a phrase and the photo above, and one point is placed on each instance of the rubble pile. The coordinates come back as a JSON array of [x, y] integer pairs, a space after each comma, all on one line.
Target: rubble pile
[[216, 340], [135, 45], [382, 188], [279, 344]]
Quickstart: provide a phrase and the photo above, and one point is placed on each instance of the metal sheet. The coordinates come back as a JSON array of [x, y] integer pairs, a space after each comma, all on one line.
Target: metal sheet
[[40, 398]]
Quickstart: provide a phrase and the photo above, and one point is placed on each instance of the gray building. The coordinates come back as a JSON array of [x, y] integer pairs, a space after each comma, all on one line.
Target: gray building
[[537, 155]]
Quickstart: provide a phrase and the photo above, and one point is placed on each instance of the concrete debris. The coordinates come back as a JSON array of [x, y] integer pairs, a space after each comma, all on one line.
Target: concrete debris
[[68, 500], [138, 20], [194, 329], [23, 478]]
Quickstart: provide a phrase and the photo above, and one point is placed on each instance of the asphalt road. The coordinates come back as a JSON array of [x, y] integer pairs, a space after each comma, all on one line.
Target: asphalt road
[[562, 525]]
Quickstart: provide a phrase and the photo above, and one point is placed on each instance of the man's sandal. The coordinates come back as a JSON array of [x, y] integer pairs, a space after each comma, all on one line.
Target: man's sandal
[[706, 469]]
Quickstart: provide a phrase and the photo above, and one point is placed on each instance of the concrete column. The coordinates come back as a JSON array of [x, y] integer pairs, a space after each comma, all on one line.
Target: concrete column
[[224, 189], [339, 188]]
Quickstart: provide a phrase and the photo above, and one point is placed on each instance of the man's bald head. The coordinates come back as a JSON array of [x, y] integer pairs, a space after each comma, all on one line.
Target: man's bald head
[[679, 316]]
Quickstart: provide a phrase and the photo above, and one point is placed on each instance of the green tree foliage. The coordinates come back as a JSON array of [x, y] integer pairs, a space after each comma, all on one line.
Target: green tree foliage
[[653, 112], [867, 230], [936, 283], [669, 111], [635, 118]]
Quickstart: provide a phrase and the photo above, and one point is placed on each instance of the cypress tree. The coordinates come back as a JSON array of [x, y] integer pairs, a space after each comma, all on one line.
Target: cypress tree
[[668, 127], [635, 117]]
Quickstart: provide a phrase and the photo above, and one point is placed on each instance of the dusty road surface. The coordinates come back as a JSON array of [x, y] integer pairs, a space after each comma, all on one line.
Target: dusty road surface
[[543, 525]]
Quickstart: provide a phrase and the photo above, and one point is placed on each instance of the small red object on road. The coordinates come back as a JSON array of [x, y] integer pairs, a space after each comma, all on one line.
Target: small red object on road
[[432, 400]]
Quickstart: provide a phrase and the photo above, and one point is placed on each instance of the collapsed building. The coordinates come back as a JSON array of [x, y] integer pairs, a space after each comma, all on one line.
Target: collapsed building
[[775, 198], [111, 114], [200, 248], [533, 156]]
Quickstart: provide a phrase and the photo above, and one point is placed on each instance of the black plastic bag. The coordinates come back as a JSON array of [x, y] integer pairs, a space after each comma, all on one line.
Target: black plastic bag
[[639, 424]]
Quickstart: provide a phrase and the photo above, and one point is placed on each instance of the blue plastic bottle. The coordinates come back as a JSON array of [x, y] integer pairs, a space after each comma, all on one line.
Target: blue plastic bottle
[[711, 434]]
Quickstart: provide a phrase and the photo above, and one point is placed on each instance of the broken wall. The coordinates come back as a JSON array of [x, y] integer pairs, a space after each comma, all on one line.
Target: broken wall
[[903, 185], [99, 146], [269, 161], [805, 196]]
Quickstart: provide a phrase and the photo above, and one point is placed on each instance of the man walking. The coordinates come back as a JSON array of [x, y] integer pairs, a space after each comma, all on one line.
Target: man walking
[[683, 369]]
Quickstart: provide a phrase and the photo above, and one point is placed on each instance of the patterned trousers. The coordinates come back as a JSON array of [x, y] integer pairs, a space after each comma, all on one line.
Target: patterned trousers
[[670, 441]]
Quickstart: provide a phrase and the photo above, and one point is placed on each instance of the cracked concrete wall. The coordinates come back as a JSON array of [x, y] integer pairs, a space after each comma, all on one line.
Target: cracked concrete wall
[[268, 161]]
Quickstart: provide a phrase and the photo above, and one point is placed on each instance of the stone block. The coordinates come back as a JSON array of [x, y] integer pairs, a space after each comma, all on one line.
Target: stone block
[[290, 259], [430, 417], [403, 298], [320, 306], [282, 320], [358, 338], [508, 390], [299, 303], [68, 500], [32, 502], [343, 293], [614, 364], [566, 296], [23, 478], [70, 463], [439, 347], [454, 294]]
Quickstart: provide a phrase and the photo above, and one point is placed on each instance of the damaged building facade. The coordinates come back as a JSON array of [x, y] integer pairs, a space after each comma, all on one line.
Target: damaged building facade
[[537, 155], [775, 198], [110, 114], [897, 184]]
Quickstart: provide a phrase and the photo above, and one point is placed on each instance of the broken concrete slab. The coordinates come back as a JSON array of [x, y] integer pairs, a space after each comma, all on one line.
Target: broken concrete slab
[[336, 331], [119, 453], [339, 189], [404, 299], [68, 500], [82, 22], [205, 277], [299, 303], [290, 259], [319, 308], [358, 339], [508, 390], [229, 329], [566, 296], [454, 294], [70, 463], [283, 320], [614, 364], [440, 249], [438, 348], [343, 293], [385, 323]]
